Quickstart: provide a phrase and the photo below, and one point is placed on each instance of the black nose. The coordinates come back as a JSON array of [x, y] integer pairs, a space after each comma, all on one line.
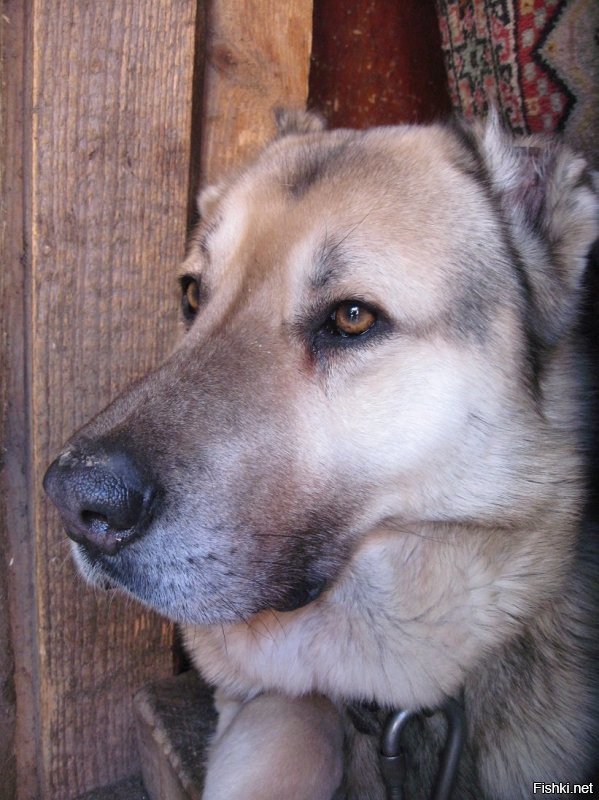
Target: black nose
[[104, 498]]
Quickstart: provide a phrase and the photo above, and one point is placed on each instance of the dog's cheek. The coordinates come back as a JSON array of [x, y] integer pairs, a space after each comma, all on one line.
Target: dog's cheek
[[402, 413]]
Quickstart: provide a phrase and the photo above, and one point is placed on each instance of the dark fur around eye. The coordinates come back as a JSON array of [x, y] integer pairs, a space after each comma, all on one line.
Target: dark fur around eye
[[325, 334]]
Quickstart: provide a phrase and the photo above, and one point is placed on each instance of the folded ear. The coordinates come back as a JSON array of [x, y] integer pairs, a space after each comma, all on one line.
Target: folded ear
[[549, 198], [208, 197], [288, 121], [298, 121]]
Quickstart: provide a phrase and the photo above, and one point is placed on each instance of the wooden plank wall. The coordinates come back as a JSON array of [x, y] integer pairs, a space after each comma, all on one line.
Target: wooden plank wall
[[16, 576], [103, 101]]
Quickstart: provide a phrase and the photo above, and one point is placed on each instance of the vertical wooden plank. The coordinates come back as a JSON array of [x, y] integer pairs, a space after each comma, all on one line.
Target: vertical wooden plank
[[7, 686], [111, 96], [257, 58], [197, 120], [377, 62], [18, 733]]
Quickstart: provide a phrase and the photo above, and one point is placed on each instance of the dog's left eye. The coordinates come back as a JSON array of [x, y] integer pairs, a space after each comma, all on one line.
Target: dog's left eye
[[351, 319], [190, 301]]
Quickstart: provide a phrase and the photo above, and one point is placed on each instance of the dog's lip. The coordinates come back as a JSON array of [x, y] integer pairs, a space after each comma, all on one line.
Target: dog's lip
[[94, 568], [302, 596]]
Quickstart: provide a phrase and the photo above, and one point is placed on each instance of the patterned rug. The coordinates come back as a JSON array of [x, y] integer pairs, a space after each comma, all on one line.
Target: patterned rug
[[537, 61]]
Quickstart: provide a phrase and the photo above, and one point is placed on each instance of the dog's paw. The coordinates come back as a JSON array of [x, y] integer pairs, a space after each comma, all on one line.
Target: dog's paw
[[273, 747]]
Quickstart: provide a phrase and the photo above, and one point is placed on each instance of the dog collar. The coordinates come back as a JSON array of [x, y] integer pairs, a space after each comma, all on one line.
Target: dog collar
[[369, 719], [392, 755]]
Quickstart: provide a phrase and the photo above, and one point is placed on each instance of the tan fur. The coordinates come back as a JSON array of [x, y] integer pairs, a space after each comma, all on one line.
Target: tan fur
[[300, 739], [429, 476]]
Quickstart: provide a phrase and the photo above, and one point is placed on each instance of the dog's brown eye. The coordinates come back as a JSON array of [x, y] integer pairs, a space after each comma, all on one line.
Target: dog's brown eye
[[352, 319], [191, 296]]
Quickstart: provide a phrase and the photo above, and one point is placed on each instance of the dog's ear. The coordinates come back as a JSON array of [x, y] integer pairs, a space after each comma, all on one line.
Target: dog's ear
[[208, 197], [288, 121], [298, 121], [549, 198]]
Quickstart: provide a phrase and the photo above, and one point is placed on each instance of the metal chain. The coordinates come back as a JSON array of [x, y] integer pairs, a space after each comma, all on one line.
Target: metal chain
[[392, 757]]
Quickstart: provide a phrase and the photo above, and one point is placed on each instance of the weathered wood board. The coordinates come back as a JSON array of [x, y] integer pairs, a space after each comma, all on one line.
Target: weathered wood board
[[257, 58]]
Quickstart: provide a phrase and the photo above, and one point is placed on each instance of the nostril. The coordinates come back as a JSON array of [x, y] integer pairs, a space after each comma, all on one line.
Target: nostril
[[90, 516], [118, 506], [92, 519], [118, 512]]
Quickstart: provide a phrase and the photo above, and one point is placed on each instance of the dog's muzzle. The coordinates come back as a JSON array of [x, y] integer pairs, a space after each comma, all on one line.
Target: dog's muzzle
[[104, 497]]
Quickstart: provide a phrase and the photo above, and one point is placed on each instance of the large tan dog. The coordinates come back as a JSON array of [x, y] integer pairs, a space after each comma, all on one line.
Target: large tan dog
[[358, 479]]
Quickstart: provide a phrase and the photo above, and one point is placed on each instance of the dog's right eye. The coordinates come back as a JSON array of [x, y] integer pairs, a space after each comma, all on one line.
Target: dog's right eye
[[190, 300]]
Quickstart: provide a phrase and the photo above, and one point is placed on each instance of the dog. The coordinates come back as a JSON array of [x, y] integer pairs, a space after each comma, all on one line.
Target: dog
[[358, 481]]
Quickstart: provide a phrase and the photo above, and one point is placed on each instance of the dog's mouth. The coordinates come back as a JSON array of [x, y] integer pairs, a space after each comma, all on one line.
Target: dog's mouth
[[198, 593], [302, 595]]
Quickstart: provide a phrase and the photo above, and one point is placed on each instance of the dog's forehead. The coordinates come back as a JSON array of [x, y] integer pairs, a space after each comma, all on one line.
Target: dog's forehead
[[350, 207]]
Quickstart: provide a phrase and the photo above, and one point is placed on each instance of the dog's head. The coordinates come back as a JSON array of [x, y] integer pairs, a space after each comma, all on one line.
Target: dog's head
[[372, 323]]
